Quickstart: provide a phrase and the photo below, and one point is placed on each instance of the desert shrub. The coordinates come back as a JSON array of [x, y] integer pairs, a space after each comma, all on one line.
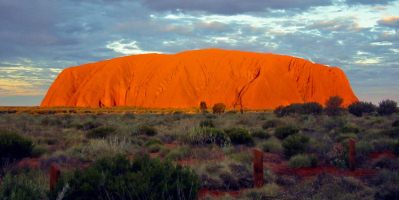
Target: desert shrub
[[312, 108], [24, 186], [207, 123], [206, 135], [298, 108], [285, 131], [146, 130], [363, 149], [333, 106], [239, 136], [334, 122], [350, 129], [119, 178], [279, 111], [154, 148], [387, 107], [14, 147], [328, 187], [272, 145], [395, 123], [271, 124], [230, 181], [359, 108], [219, 108], [178, 153], [345, 136], [101, 132], [303, 160], [88, 125], [203, 107], [387, 185], [295, 144], [260, 134], [268, 191], [152, 141]]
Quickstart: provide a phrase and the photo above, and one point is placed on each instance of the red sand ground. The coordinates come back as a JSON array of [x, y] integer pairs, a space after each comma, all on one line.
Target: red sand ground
[[238, 79]]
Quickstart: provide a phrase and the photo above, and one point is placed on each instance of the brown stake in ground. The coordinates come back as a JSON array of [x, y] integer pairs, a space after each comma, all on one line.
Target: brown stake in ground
[[258, 168]]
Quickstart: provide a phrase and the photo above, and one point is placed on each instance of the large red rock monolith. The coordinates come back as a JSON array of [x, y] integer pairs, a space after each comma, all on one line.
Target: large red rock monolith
[[240, 80], [258, 168]]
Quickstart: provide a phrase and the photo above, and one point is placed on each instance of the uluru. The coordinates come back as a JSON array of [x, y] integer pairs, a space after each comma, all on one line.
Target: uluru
[[250, 80]]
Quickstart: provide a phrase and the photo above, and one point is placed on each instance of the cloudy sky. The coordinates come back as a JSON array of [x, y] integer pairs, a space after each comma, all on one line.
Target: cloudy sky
[[39, 38]]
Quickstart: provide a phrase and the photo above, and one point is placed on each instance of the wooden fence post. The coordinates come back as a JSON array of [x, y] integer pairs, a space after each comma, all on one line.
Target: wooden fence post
[[55, 173], [258, 168], [352, 154]]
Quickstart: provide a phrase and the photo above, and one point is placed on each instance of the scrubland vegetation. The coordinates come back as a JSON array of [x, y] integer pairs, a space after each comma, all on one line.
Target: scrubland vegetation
[[206, 155]]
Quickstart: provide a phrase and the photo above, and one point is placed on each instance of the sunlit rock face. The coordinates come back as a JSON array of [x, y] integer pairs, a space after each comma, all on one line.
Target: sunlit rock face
[[235, 78]]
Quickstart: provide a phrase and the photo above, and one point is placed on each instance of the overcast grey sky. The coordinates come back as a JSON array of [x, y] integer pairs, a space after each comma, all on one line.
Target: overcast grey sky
[[39, 38]]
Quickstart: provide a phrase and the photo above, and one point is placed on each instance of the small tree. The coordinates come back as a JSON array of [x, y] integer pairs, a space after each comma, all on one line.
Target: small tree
[[358, 108], [333, 105], [387, 107], [219, 108], [203, 107]]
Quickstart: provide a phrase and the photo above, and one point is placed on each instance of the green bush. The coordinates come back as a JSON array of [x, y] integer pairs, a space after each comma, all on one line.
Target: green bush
[[207, 123], [310, 108], [146, 130], [271, 124], [350, 129], [359, 108], [333, 106], [285, 131], [206, 135], [14, 147], [239, 136], [303, 160], [101, 132], [295, 144], [260, 134], [25, 186], [178, 153], [387, 107], [272, 145], [119, 178], [219, 108]]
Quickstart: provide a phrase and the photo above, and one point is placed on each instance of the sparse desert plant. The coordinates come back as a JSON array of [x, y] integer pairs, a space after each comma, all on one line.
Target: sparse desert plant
[[268, 191], [387, 185], [203, 107], [88, 125], [14, 147], [101, 132], [206, 135], [295, 144], [219, 108], [146, 130], [303, 160], [272, 123], [178, 153], [333, 106], [272, 145], [207, 123], [387, 107], [360, 107], [309, 108], [24, 186], [285, 131], [350, 129], [239, 136], [119, 178], [259, 133]]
